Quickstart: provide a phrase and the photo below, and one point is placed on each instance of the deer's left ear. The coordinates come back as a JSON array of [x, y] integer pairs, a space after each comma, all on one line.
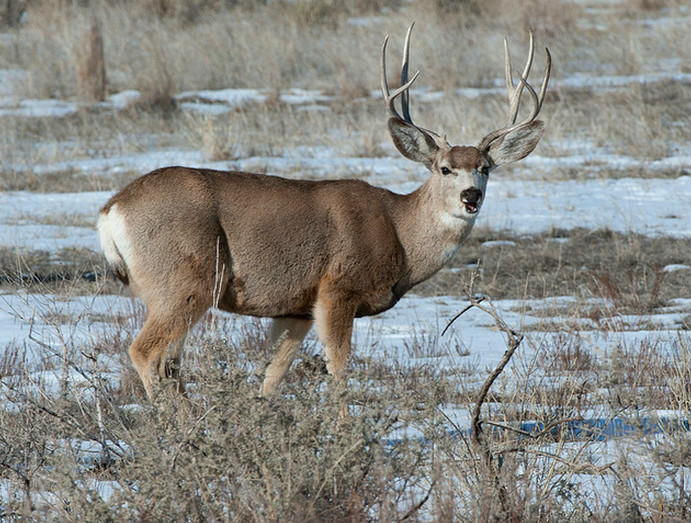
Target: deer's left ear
[[517, 144]]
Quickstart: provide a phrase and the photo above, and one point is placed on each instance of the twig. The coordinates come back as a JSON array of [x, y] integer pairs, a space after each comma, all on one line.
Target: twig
[[473, 303], [420, 503], [533, 435], [187, 437], [510, 428], [357, 444], [514, 340], [575, 468], [456, 427]]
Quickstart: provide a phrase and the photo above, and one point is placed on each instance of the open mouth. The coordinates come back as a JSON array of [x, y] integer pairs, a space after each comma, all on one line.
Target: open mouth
[[470, 207], [470, 198]]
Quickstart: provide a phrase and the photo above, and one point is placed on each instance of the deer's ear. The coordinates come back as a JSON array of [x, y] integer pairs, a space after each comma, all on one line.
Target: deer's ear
[[517, 144], [412, 142]]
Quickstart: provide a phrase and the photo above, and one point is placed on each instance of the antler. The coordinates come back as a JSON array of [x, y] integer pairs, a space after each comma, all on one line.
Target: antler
[[390, 97], [514, 93], [404, 89]]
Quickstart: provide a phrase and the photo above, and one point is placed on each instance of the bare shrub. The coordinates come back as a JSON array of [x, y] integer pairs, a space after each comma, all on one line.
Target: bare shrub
[[155, 78], [12, 361], [83, 448], [232, 456], [571, 354]]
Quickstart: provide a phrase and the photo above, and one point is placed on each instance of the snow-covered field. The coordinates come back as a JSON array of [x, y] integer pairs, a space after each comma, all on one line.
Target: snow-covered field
[[522, 201]]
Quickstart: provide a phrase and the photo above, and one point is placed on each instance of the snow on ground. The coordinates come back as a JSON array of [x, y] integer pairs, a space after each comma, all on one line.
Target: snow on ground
[[35, 221], [514, 203], [36, 108], [33, 322], [647, 206], [388, 171], [219, 101]]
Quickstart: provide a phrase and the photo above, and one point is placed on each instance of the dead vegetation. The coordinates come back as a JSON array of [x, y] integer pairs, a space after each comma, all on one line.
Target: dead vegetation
[[163, 48], [82, 448], [78, 440], [627, 269]]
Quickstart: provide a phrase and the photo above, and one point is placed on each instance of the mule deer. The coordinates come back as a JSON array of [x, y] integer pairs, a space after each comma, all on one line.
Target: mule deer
[[301, 252]]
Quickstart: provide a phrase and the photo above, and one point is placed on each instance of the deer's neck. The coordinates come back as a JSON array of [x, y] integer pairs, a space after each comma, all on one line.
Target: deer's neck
[[429, 236]]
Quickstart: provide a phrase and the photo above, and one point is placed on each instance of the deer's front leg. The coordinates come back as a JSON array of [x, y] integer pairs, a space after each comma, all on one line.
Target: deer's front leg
[[333, 317]]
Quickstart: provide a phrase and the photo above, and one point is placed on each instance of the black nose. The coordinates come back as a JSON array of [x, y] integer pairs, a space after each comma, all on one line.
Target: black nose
[[471, 195]]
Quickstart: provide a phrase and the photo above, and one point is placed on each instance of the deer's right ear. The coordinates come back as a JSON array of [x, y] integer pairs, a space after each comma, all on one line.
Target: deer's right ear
[[412, 142]]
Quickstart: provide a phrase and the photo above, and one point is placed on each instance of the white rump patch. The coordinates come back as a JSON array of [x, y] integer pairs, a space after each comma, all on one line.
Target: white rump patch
[[115, 243]]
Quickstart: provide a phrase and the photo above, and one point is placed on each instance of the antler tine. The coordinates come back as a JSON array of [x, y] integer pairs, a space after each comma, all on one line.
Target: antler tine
[[390, 97], [537, 103], [537, 98], [487, 140], [405, 97], [514, 94], [382, 70], [545, 78], [508, 72]]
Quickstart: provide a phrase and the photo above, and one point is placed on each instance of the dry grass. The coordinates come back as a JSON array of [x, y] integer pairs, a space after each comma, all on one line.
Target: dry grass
[[166, 47], [159, 50], [625, 268], [238, 457], [84, 452], [67, 271]]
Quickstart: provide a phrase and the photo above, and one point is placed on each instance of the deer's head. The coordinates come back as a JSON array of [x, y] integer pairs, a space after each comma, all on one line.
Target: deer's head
[[460, 173]]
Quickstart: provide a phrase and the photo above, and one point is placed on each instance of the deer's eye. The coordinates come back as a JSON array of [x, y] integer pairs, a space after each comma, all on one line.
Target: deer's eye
[[445, 170], [484, 170]]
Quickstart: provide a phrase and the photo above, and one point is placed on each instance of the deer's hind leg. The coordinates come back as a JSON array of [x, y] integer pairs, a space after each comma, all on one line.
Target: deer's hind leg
[[286, 334], [157, 349], [177, 290]]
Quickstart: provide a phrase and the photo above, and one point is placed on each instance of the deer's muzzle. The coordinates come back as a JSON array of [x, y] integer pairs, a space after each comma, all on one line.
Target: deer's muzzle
[[471, 198]]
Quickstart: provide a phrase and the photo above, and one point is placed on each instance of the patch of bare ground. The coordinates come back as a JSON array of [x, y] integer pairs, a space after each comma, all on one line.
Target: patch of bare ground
[[70, 271], [627, 268]]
